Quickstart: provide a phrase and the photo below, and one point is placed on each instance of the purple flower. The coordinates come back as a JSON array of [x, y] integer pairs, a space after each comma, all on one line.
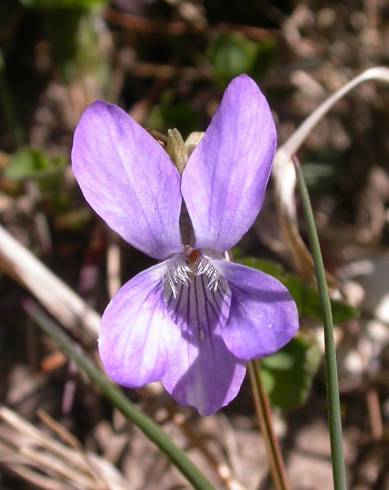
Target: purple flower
[[194, 319]]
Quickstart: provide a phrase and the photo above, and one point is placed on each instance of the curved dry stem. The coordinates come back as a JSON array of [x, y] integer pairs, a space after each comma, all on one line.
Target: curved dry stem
[[285, 176]]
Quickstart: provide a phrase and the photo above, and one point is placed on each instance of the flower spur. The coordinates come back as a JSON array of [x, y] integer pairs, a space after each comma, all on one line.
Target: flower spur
[[193, 320]]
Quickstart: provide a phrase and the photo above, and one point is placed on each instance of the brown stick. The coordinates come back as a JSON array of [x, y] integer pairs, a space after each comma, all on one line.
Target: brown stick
[[264, 415]]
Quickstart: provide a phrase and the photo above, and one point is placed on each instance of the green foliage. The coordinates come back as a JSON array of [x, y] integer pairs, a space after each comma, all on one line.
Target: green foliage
[[307, 297], [233, 54], [173, 114], [34, 163], [48, 172], [78, 43], [287, 375], [59, 4], [77, 37]]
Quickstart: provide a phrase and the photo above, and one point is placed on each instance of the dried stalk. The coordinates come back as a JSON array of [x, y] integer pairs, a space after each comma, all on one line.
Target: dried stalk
[[58, 298], [285, 175]]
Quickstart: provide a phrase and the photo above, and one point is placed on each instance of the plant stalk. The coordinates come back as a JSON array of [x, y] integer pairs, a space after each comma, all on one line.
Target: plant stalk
[[118, 399], [333, 401]]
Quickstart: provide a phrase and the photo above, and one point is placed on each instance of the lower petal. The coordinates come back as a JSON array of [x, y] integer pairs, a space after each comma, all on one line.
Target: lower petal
[[263, 316], [204, 374], [137, 336]]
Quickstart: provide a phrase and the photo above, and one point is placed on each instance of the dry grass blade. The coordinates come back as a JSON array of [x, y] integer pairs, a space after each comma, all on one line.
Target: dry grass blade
[[31, 476], [58, 298], [285, 176], [113, 265], [48, 463], [67, 437]]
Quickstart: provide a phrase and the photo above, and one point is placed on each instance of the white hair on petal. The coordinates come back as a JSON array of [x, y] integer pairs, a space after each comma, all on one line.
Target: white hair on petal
[[178, 273], [205, 266], [181, 272]]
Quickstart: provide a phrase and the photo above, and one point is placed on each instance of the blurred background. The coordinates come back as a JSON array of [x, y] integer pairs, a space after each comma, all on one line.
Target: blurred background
[[167, 62]]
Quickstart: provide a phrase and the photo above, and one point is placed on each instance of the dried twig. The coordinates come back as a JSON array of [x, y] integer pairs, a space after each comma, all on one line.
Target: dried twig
[[58, 298], [375, 415], [48, 463]]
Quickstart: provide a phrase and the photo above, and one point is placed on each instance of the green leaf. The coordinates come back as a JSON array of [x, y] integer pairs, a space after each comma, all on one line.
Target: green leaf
[[287, 375], [307, 297], [233, 54], [33, 163]]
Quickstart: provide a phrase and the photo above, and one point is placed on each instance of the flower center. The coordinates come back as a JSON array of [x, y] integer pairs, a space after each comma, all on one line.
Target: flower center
[[186, 267], [196, 295]]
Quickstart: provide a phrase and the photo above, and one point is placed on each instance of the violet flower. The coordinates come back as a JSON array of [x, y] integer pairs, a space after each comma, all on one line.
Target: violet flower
[[193, 320]]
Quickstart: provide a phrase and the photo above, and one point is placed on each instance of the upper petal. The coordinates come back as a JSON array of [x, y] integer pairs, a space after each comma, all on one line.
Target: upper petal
[[128, 179], [263, 316], [137, 336], [224, 181]]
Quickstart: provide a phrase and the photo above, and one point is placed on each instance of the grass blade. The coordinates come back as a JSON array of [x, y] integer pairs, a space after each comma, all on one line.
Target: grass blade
[[118, 399], [334, 418]]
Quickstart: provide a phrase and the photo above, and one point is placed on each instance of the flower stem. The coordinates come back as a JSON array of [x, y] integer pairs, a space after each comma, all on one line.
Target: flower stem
[[264, 415], [118, 399], [334, 418]]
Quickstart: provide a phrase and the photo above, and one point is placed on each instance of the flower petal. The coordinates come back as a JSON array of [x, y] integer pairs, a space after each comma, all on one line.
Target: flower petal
[[137, 336], [224, 181], [263, 316], [128, 179], [203, 373]]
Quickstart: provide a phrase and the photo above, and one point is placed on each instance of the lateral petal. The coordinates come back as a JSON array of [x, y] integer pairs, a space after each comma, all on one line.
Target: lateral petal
[[128, 179], [224, 181], [137, 336], [263, 316]]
